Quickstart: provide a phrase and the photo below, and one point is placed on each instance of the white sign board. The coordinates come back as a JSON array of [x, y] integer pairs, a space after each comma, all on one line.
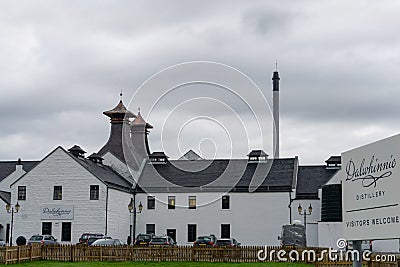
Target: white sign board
[[57, 212], [371, 191]]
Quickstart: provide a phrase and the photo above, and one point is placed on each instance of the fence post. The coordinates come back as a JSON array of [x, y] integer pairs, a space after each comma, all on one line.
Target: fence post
[[72, 247], [19, 254], [6, 255], [192, 255], [101, 253], [30, 253], [42, 252]]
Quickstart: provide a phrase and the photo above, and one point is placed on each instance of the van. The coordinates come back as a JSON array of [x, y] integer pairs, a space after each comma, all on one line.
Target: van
[[293, 235]]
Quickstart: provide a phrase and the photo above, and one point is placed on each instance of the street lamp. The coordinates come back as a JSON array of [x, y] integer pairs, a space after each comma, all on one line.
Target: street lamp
[[305, 214], [132, 209], [12, 210]]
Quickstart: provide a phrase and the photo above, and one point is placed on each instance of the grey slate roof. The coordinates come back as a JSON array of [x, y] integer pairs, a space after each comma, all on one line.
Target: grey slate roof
[[312, 178], [237, 175], [5, 196], [105, 173], [190, 155], [8, 167]]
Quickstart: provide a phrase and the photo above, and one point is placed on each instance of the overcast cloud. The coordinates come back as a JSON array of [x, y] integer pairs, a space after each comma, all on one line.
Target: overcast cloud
[[64, 62]]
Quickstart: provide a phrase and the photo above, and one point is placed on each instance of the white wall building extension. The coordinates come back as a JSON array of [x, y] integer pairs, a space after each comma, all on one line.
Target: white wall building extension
[[86, 215], [254, 218]]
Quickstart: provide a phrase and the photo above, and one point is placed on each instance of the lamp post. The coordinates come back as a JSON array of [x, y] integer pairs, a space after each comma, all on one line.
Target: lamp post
[[132, 209], [305, 214], [12, 209]]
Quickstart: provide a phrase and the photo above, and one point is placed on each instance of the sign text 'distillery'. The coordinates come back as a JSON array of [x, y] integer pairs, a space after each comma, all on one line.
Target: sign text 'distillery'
[[57, 212], [370, 191]]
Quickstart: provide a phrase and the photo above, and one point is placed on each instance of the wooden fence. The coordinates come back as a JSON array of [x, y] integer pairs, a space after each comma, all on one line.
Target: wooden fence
[[76, 253], [20, 254]]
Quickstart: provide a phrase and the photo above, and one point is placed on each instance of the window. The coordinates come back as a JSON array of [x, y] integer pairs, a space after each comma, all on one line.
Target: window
[[225, 231], [21, 192], [151, 202], [66, 231], [57, 195], [46, 228], [192, 232], [192, 202], [150, 229], [225, 202], [94, 192], [171, 202]]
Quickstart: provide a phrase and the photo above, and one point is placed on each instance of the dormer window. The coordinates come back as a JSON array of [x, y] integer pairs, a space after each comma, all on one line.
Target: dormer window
[[257, 156], [158, 158]]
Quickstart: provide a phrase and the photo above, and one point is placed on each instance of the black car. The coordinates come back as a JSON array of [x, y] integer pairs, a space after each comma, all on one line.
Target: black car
[[143, 239], [162, 241], [85, 237], [227, 243], [205, 241]]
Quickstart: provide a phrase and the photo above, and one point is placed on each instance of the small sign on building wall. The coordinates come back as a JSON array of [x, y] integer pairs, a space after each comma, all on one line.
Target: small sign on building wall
[[57, 212], [371, 185]]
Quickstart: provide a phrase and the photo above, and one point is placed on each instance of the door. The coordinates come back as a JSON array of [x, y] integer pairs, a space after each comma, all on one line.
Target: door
[[66, 231], [172, 233], [8, 233]]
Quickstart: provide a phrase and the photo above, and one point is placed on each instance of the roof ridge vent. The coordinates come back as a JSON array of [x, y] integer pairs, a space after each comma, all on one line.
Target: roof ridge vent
[[158, 157], [77, 151], [334, 162], [257, 155], [96, 158]]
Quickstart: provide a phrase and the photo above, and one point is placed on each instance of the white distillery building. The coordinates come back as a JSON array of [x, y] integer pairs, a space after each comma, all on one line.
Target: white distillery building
[[66, 194]]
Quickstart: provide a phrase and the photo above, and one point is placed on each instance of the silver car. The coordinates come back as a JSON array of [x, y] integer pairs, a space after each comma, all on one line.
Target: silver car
[[43, 240], [108, 242]]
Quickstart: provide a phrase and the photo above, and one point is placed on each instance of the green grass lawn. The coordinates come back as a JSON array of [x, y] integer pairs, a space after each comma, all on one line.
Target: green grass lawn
[[157, 264]]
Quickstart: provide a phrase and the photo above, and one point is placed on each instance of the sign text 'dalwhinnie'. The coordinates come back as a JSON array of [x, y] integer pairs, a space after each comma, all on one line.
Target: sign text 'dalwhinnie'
[[371, 180]]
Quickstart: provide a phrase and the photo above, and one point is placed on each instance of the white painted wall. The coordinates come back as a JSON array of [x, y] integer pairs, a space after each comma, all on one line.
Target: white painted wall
[[329, 233], [5, 218], [59, 169], [118, 214], [255, 218]]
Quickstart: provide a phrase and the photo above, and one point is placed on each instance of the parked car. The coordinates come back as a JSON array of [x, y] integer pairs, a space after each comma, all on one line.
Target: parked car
[[93, 239], [83, 240], [205, 241], [108, 242], [143, 239], [227, 242], [2, 243], [162, 241], [43, 240]]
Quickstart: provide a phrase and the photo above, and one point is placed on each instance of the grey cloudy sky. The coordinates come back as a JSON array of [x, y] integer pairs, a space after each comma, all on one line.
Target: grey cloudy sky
[[64, 62]]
